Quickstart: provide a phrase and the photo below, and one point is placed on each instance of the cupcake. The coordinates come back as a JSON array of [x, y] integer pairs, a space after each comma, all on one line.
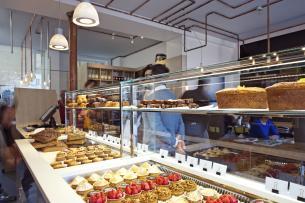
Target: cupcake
[[100, 184], [115, 180], [108, 175], [129, 177], [76, 181], [189, 185], [93, 178], [194, 197], [164, 193], [142, 173], [84, 188], [121, 171], [177, 188]]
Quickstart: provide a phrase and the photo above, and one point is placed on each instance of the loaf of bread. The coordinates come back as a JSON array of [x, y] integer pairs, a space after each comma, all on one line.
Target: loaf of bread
[[287, 96], [242, 97]]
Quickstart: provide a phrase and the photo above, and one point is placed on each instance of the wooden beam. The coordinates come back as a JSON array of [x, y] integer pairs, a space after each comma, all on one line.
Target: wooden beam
[[72, 53]]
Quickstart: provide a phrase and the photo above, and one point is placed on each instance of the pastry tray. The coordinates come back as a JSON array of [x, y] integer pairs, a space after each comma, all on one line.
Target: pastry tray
[[166, 169]]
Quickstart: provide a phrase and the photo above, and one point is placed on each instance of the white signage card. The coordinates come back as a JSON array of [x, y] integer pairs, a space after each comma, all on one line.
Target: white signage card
[[163, 153], [205, 165], [297, 192], [145, 147], [276, 186], [192, 161], [90, 132], [180, 158], [139, 147], [219, 169]]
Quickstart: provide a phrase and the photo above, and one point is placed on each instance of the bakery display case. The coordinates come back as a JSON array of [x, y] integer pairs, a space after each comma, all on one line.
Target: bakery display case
[[247, 116]]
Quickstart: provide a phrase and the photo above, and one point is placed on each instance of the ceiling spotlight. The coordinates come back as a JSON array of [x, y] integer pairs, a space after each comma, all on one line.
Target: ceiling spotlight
[[113, 34], [85, 15], [59, 41], [142, 37], [250, 58]]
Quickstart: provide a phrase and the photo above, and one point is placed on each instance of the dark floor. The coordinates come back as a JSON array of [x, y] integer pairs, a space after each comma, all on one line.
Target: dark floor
[[8, 182]]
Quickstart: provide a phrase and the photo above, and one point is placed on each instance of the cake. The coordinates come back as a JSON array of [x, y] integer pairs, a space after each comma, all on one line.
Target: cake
[[108, 175], [287, 95], [142, 173], [121, 171], [242, 97]]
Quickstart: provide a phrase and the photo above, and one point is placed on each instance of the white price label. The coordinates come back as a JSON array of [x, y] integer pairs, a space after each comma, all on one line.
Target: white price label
[[205, 165], [145, 147], [163, 153], [90, 132], [219, 169], [192, 161], [276, 186], [180, 158], [139, 147], [297, 192]]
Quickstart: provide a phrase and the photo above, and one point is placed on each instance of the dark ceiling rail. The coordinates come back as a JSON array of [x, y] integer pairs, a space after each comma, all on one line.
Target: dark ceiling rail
[[134, 52], [138, 7], [108, 4], [167, 10], [206, 3], [107, 33], [191, 2]]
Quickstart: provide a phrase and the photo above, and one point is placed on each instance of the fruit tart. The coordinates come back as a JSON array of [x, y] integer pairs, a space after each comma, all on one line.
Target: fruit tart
[[176, 188], [194, 197], [148, 185], [189, 185], [114, 195], [97, 197], [162, 181], [164, 193], [133, 190], [148, 197], [174, 177]]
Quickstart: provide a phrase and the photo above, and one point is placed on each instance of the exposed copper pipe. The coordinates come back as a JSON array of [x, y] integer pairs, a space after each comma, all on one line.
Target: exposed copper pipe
[[138, 7], [106, 33], [268, 26], [206, 3], [191, 2]]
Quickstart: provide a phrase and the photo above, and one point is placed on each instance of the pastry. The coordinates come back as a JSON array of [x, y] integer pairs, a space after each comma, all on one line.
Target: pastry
[[115, 180], [55, 163], [93, 178], [174, 177], [121, 171], [145, 165], [84, 188], [38, 145], [287, 95], [154, 171], [61, 165], [164, 193], [208, 192], [80, 159], [67, 161], [76, 181], [115, 196], [189, 185], [142, 173], [87, 161], [46, 136], [129, 177], [100, 184], [134, 168], [180, 199], [133, 191], [194, 197], [148, 185], [176, 188], [108, 175], [97, 159], [76, 142], [74, 163], [148, 197], [242, 97]]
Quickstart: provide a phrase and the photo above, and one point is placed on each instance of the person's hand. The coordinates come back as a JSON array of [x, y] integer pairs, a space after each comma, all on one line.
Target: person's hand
[[180, 148], [274, 137]]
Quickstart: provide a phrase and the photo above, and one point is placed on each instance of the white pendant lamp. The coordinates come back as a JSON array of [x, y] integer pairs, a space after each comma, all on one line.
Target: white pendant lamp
[[59, 41], [85, 15]]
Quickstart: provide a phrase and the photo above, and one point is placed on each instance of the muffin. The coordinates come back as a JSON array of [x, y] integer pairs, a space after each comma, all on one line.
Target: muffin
[[100, 184], [176, 188], [84, 188], [76, 181], [164, 193]]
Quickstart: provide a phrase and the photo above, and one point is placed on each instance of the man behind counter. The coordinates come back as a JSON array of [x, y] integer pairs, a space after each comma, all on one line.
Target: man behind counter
[[263, 128]]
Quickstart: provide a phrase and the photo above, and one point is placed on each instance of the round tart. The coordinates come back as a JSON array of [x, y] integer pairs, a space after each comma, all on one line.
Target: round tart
[[115, 180], [101, 184], [164, 193], [80, 154], [154, 171], [107, 151], [60, 166], [142, 173], [91, 157], [129, 177], [208, 192], [176, 188], [93, 178], [71, 156], [145, 165], [89, 153], [82, 158], [97, 159], [74, 163], [134, 168], [87, 161], [108, 175], [76, 181], [69, 161], [55, 163], [194, 197], [121, 171], [148, 197], [102, 155], [84, 188], [189, 185]]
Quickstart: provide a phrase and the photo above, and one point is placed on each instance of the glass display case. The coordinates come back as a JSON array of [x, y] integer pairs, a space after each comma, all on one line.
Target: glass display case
[[97, 112], [247, 115]]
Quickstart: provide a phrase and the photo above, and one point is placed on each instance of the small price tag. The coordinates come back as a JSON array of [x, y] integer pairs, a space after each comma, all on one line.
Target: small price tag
[[276, 186], [297, 192], [205, 165], [192, 161], [139, 147], [163, 153], [219, 169], [90, 132], [180, 158]]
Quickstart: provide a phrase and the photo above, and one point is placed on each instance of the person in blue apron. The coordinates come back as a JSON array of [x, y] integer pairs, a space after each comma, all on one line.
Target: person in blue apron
[[263, 128]]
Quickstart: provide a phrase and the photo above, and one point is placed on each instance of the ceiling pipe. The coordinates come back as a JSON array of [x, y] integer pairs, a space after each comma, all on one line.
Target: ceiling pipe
[[106, 33], [138, 7], [108, 4], [208, 2], [167, 10], [268, 26]]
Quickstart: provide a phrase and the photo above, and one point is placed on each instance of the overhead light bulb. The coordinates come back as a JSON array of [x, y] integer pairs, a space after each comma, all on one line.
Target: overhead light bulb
[[303, 49], [274, 54], [21, 82], [142, 37], [250, 58], [113, 34], [85, 15], [264, 55], [58, 41], [132, 41]]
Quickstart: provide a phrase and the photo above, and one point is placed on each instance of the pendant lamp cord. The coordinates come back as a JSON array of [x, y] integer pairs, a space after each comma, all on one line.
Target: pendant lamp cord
[[59, 20]]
